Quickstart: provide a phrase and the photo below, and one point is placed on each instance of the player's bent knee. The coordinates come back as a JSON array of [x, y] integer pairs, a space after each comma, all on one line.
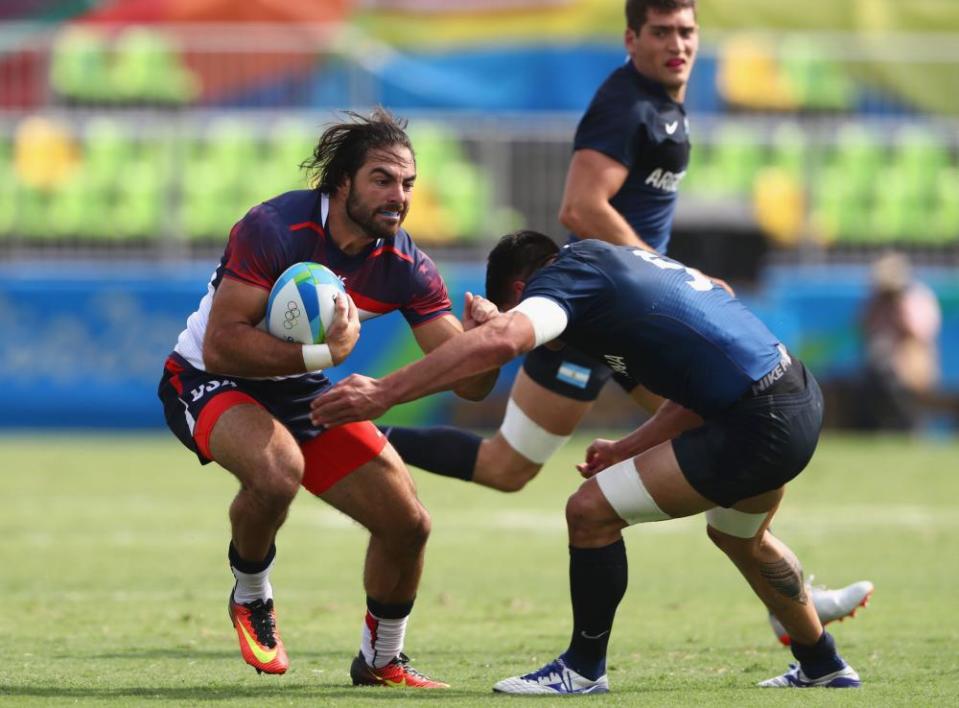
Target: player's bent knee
[[582, 512], [413, 531], [527, 437]]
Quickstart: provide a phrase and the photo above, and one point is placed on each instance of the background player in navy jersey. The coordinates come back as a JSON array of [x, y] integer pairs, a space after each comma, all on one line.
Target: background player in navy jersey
[[630, 154], [741, 418], [237, 395]]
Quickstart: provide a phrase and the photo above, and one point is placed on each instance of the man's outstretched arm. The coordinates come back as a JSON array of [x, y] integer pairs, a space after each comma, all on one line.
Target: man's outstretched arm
[[484, 348]]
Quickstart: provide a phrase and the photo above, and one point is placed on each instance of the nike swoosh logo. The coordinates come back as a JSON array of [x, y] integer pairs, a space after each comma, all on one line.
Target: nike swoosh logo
[[259, 652], [583, 634], [671, 127]]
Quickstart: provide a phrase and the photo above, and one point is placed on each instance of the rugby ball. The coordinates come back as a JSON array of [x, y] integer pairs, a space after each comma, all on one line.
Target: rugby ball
[[301, 303]]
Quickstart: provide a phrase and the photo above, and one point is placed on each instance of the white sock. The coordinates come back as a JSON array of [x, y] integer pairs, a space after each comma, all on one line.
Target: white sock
[[252, 586], [382, 639]]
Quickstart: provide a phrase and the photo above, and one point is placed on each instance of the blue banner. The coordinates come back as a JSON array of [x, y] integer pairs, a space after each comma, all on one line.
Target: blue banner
[[83, 346]]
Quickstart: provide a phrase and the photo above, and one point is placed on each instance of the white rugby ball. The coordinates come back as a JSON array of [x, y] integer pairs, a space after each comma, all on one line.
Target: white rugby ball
[[301, 303]]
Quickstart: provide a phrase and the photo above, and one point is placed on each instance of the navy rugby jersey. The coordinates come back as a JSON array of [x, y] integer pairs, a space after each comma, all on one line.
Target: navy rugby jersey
[[663, 324], [390, 274], [632, 120]]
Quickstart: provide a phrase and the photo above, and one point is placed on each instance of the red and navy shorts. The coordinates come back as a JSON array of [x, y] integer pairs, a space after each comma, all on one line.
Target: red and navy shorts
[[193, 401]]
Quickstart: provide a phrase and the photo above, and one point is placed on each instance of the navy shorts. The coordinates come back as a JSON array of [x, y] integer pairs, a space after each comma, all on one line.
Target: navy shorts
[[571, 373], [193, 400], [758, 444]]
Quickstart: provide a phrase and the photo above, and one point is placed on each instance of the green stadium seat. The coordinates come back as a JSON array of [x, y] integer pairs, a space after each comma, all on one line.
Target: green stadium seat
[[817, 82], [789, 150], [107, 150], [147, 67], [730, 164], [34, 214], [80, 65], [899, 213], [140, 202], [919, 155], [945, 210], [858, 156], [79, 209], [8, 189], [839, 213]]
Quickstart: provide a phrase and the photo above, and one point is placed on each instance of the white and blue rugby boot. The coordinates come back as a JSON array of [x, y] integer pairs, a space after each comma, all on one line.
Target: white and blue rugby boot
[[556, 678], [846, 677]]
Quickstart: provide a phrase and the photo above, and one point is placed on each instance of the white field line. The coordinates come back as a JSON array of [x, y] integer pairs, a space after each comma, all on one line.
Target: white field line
[[820, 520]]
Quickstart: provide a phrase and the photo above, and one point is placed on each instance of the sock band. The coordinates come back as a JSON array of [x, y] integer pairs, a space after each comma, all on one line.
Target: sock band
[[382, 610], [247, 566]]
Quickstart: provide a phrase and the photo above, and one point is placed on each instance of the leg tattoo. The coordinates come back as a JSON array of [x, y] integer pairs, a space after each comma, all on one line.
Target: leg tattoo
[[785, 577]]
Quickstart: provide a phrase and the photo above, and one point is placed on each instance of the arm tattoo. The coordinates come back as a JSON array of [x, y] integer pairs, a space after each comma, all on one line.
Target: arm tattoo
[[785, 577]]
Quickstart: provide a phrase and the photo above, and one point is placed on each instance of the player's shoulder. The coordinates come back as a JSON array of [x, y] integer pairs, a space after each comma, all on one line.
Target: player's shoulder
[[402, 248], [626, 85], [287, 209]]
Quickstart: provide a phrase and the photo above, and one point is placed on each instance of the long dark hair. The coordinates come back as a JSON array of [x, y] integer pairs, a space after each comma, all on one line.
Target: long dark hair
[[515, 257], [343, 147]]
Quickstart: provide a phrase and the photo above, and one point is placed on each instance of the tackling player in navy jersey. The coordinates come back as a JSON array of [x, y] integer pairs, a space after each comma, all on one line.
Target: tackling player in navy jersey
[[741, 419], [630, 153], [234, 394]]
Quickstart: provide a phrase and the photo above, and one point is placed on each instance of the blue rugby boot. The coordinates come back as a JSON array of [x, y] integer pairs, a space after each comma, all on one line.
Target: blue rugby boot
[[846, 677], [556, 678]]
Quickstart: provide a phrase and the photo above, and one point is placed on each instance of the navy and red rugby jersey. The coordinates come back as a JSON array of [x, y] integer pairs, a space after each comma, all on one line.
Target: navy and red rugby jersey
[[390, 274]]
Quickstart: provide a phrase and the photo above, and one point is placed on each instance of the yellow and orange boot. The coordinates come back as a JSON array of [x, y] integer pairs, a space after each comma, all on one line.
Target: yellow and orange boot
[[260, 643], [397, 674]]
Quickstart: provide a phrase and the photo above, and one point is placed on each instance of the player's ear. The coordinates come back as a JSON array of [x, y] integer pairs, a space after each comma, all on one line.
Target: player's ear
[[518, 287]]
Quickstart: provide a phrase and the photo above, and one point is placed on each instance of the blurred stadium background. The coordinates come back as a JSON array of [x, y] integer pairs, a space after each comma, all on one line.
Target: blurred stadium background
[[134, 133]]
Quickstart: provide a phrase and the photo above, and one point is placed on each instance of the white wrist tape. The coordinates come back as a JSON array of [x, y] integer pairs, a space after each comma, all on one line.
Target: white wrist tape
[[624, 490], [317, 356], [735, 523], [527, 437]]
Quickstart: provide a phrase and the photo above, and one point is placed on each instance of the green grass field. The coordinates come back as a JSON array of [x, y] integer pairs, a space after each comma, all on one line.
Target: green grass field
[[115, 584]]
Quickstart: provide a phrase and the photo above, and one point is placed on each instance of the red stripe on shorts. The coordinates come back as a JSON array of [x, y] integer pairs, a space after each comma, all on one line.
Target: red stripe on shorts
[[338, 451], [211, 413]]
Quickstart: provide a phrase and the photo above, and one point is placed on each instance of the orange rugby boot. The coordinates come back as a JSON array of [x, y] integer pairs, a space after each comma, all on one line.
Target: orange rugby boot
[[260, 643], [397, 674]]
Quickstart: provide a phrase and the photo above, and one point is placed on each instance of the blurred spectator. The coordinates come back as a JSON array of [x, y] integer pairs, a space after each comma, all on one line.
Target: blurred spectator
[[900, 323]]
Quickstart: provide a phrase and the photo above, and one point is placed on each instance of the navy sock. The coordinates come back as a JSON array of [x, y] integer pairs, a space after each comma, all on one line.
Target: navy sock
[[442, 450], [818, 659], [597, 582]]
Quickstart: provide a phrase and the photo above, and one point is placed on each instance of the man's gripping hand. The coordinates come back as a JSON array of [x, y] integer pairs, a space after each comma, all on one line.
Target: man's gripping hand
[[477, 310], [344, 330], [356, 397], [599, 455]]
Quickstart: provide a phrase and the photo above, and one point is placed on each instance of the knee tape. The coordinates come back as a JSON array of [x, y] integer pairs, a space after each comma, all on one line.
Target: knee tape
[[624, 490], [527, 437], [734, 523]]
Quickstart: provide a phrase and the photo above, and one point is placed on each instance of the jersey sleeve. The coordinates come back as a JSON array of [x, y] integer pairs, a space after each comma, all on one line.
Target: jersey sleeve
[[607, 128], [429, 297], [257, 252], [570, 283]]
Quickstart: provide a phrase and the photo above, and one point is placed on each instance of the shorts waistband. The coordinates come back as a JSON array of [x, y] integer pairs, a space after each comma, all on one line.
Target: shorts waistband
[[785, 371]]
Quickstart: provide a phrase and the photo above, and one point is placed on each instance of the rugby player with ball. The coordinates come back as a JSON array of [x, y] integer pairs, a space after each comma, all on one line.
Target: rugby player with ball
[[237, 391]]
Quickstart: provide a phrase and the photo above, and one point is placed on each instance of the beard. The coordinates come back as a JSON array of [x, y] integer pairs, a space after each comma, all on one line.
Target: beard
[[364, 216]]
